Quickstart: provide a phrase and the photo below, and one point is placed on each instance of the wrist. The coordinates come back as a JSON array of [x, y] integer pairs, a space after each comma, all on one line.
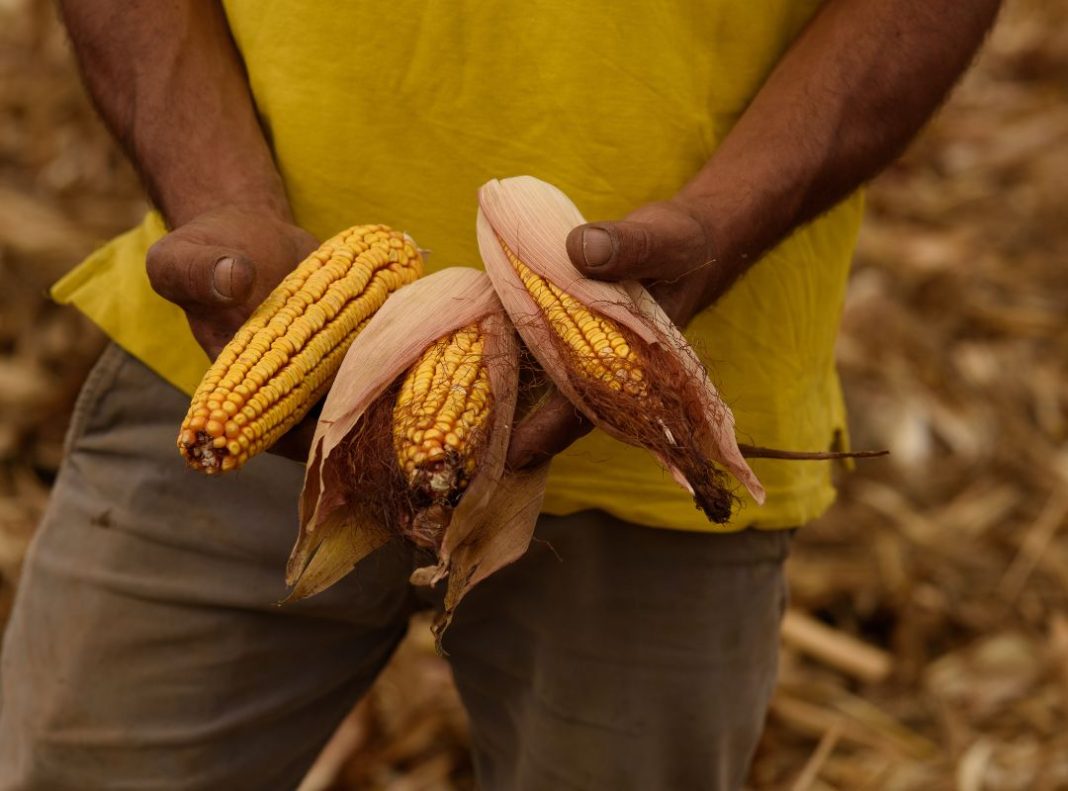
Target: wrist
[[724, 218], [183, 203], [722, 262]]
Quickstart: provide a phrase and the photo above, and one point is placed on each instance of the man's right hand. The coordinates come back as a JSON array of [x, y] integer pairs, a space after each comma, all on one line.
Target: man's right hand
[[222, 264]]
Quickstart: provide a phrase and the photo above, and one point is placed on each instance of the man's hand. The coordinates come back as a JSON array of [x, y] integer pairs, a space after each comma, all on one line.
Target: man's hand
[[221, 264], [844, 100], [667, 247]]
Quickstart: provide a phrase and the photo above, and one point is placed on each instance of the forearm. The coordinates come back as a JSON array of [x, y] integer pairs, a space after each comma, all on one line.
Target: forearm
[[856, 85], [168, 81]]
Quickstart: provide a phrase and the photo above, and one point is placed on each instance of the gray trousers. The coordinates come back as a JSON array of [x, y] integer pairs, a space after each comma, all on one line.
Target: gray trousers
[[146, 649]]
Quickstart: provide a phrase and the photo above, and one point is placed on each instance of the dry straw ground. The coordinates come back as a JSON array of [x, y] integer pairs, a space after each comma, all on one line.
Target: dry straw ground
[[927, 644]]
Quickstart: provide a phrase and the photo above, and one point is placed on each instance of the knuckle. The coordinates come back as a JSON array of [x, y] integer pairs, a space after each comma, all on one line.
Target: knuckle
[[174, 270], [159, 264], [702, 237], [643, 244], [634, 244]]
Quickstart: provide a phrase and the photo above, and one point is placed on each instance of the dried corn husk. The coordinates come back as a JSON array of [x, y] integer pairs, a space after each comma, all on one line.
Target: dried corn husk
[[685, 423], [353, 500]]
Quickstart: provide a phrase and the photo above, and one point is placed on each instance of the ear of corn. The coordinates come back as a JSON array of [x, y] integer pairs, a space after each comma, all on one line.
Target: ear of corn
[[412, 442], [413, 436], [608, 347], [284, 357], [440, 424], [613, 379]]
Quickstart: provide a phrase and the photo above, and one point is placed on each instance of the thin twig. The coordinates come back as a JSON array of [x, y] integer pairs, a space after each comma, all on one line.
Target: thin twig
[[758, 452], [818, 758], [842, 651]]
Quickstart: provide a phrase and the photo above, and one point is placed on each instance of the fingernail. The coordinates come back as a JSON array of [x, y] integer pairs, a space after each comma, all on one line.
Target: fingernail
[[222, 278], [596, 247]]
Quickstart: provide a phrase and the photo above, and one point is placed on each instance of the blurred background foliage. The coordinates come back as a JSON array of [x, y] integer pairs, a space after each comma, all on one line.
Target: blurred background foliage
[[927, 642]]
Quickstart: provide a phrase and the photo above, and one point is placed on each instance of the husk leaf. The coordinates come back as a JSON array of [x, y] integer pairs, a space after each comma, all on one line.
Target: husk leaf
[[494, 522], [496, 535], [409, 321]]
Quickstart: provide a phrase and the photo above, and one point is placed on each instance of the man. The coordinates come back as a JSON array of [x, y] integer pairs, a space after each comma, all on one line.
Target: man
[[730, 136]]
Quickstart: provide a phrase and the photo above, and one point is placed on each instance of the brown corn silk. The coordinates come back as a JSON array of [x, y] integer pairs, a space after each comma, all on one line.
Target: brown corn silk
[[608, 346], [383, 463], [281, 361]]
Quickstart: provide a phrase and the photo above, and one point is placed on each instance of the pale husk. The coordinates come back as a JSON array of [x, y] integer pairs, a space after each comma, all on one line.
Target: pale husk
[[492, 536], [534, 218]]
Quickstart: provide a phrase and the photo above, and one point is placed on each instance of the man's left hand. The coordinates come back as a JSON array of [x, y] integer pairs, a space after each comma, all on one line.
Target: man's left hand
[[665, 246]]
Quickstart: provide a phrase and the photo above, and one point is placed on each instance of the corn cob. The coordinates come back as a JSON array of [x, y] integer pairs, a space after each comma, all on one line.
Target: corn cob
[[607, 366], [441, 418], [608, 347], [595, 341], [285, 356]]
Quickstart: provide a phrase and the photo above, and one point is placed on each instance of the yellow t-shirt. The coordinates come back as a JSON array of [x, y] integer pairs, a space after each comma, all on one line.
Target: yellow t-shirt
[[396, 113]]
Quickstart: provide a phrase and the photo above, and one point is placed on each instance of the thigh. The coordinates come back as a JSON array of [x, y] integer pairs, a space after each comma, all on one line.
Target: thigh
[[615, 656], [146, 648]]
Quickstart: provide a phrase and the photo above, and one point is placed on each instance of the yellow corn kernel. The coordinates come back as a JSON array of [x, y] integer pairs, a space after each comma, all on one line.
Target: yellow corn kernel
[[594, 340], [284, 357]]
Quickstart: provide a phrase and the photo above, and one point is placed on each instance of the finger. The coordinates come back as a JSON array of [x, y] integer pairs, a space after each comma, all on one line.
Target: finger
[[545, 432], [214, 331], [192, 274], [661, 244]]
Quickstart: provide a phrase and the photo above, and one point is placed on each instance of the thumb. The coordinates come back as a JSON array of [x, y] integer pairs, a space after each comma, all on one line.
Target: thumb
[[658, 242], [190, 274]]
